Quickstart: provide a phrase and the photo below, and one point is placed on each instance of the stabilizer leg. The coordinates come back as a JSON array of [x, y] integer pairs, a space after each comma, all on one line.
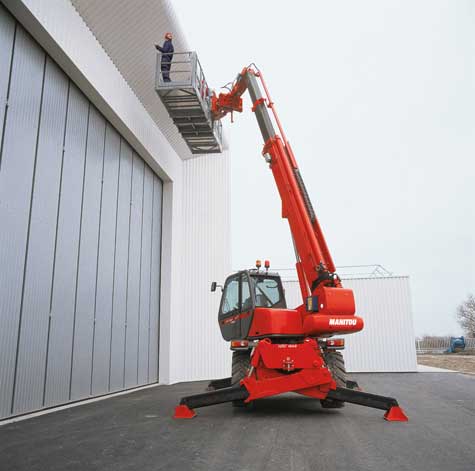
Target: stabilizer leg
[[219, 384], [188, 403], [394, 413]]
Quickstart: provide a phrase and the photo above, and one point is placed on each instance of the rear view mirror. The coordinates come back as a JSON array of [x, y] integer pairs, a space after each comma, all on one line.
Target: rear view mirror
[[213, 286]]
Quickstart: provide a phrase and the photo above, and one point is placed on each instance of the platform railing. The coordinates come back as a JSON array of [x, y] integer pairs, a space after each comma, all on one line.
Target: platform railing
[[182, 85], [184, 71]]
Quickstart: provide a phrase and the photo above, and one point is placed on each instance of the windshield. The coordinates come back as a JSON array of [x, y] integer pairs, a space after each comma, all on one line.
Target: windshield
[[267, 291]]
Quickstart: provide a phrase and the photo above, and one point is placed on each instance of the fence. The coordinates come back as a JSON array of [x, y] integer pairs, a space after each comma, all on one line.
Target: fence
[[440, 345]]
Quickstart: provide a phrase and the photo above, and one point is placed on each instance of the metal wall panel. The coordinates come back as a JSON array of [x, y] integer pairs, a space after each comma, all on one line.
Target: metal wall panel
[[80, 245], [67, 251], [206, 248], [387, 341], [146, 259], [109, 21], [155, 281], [117, 342], [16, 175], [386, 344], [7, 34], [105, 269], [39, 265], [133, 282], [87, 268]]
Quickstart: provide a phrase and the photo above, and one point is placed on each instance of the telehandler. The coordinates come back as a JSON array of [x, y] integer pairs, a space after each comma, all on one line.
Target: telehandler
[[275, 349]]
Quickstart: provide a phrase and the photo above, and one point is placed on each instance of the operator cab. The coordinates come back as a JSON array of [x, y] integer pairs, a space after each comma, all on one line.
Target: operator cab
[[242, 293]]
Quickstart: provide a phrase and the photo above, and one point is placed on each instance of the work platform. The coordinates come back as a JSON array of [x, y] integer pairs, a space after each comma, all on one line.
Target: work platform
[[187, 98]]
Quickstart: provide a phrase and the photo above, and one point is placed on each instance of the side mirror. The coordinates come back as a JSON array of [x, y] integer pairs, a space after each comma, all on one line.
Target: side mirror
[[215, 285]]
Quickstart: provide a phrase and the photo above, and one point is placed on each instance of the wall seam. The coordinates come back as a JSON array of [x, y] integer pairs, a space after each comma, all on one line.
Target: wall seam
[[79, 252], [159, 287], [150, 289], [140, 274], [56, 243], [128, 259], [115, 254], [97, 259], [2, 138], [25, 263]]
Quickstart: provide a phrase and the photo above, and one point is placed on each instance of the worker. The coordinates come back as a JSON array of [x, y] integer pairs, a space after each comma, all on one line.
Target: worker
[[167, 56]]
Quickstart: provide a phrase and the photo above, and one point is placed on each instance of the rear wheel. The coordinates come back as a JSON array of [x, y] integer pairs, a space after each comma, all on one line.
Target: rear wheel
[[240, 367], [336, 364]]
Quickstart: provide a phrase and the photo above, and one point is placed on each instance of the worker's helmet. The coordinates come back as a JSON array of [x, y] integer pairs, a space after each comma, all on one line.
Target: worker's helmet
[[168, 35]]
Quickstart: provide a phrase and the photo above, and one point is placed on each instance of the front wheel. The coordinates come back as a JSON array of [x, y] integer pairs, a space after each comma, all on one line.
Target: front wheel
[[240, 368], [336, 364]]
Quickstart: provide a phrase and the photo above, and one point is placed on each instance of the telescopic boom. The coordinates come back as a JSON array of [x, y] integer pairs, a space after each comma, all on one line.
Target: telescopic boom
[[315, 267]]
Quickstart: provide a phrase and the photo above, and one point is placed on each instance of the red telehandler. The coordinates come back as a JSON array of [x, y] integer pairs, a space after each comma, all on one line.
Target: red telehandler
[[275, 349]]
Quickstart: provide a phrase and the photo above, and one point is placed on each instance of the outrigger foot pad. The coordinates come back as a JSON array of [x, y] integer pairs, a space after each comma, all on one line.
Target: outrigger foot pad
[[395, 414], [183, 412]]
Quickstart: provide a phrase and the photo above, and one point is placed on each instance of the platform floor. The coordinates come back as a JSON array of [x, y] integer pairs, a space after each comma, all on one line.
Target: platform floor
[[136, 432]]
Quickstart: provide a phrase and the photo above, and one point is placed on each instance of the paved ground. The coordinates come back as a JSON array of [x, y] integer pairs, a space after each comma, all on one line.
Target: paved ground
[[136, 432], [458, 362]]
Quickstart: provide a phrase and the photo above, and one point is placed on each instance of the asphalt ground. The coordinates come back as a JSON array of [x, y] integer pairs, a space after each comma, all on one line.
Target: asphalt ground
[[137, 432]]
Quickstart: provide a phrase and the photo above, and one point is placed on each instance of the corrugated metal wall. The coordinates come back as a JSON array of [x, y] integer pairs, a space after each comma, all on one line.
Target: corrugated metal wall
[[80, 219], [386, 344], [132, 51], [198, 350]]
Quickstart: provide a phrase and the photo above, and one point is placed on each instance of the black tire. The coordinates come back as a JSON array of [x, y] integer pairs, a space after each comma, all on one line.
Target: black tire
[[336, 364], [240, 368]]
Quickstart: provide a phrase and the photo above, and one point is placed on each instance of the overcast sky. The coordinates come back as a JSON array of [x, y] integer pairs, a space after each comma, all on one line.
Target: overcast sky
[[378, 102]]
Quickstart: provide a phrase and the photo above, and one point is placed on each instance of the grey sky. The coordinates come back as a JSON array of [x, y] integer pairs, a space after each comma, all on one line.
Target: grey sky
[[378, 102]]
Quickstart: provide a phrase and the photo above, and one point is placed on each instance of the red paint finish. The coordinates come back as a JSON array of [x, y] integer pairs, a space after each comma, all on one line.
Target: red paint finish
[[335, 301], [183, 412], [395, 414], [321, 324], [273, 365], [232, 319], [268, 321]]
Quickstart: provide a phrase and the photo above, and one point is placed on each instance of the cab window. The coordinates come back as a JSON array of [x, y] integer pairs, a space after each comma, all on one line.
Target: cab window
[[245, 294], [267, 292], [231, 296]]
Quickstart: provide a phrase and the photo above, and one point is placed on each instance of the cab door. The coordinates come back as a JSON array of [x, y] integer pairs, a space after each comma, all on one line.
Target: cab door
[[236, 305], [247, 305], [230, 308]]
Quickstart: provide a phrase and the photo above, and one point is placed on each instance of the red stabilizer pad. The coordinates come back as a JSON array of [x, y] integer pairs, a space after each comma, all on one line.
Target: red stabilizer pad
[[183, 412], [395, 414]]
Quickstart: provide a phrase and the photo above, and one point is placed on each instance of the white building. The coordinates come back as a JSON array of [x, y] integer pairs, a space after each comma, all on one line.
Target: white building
[[111, 229], [386, 344], [108, 238]]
